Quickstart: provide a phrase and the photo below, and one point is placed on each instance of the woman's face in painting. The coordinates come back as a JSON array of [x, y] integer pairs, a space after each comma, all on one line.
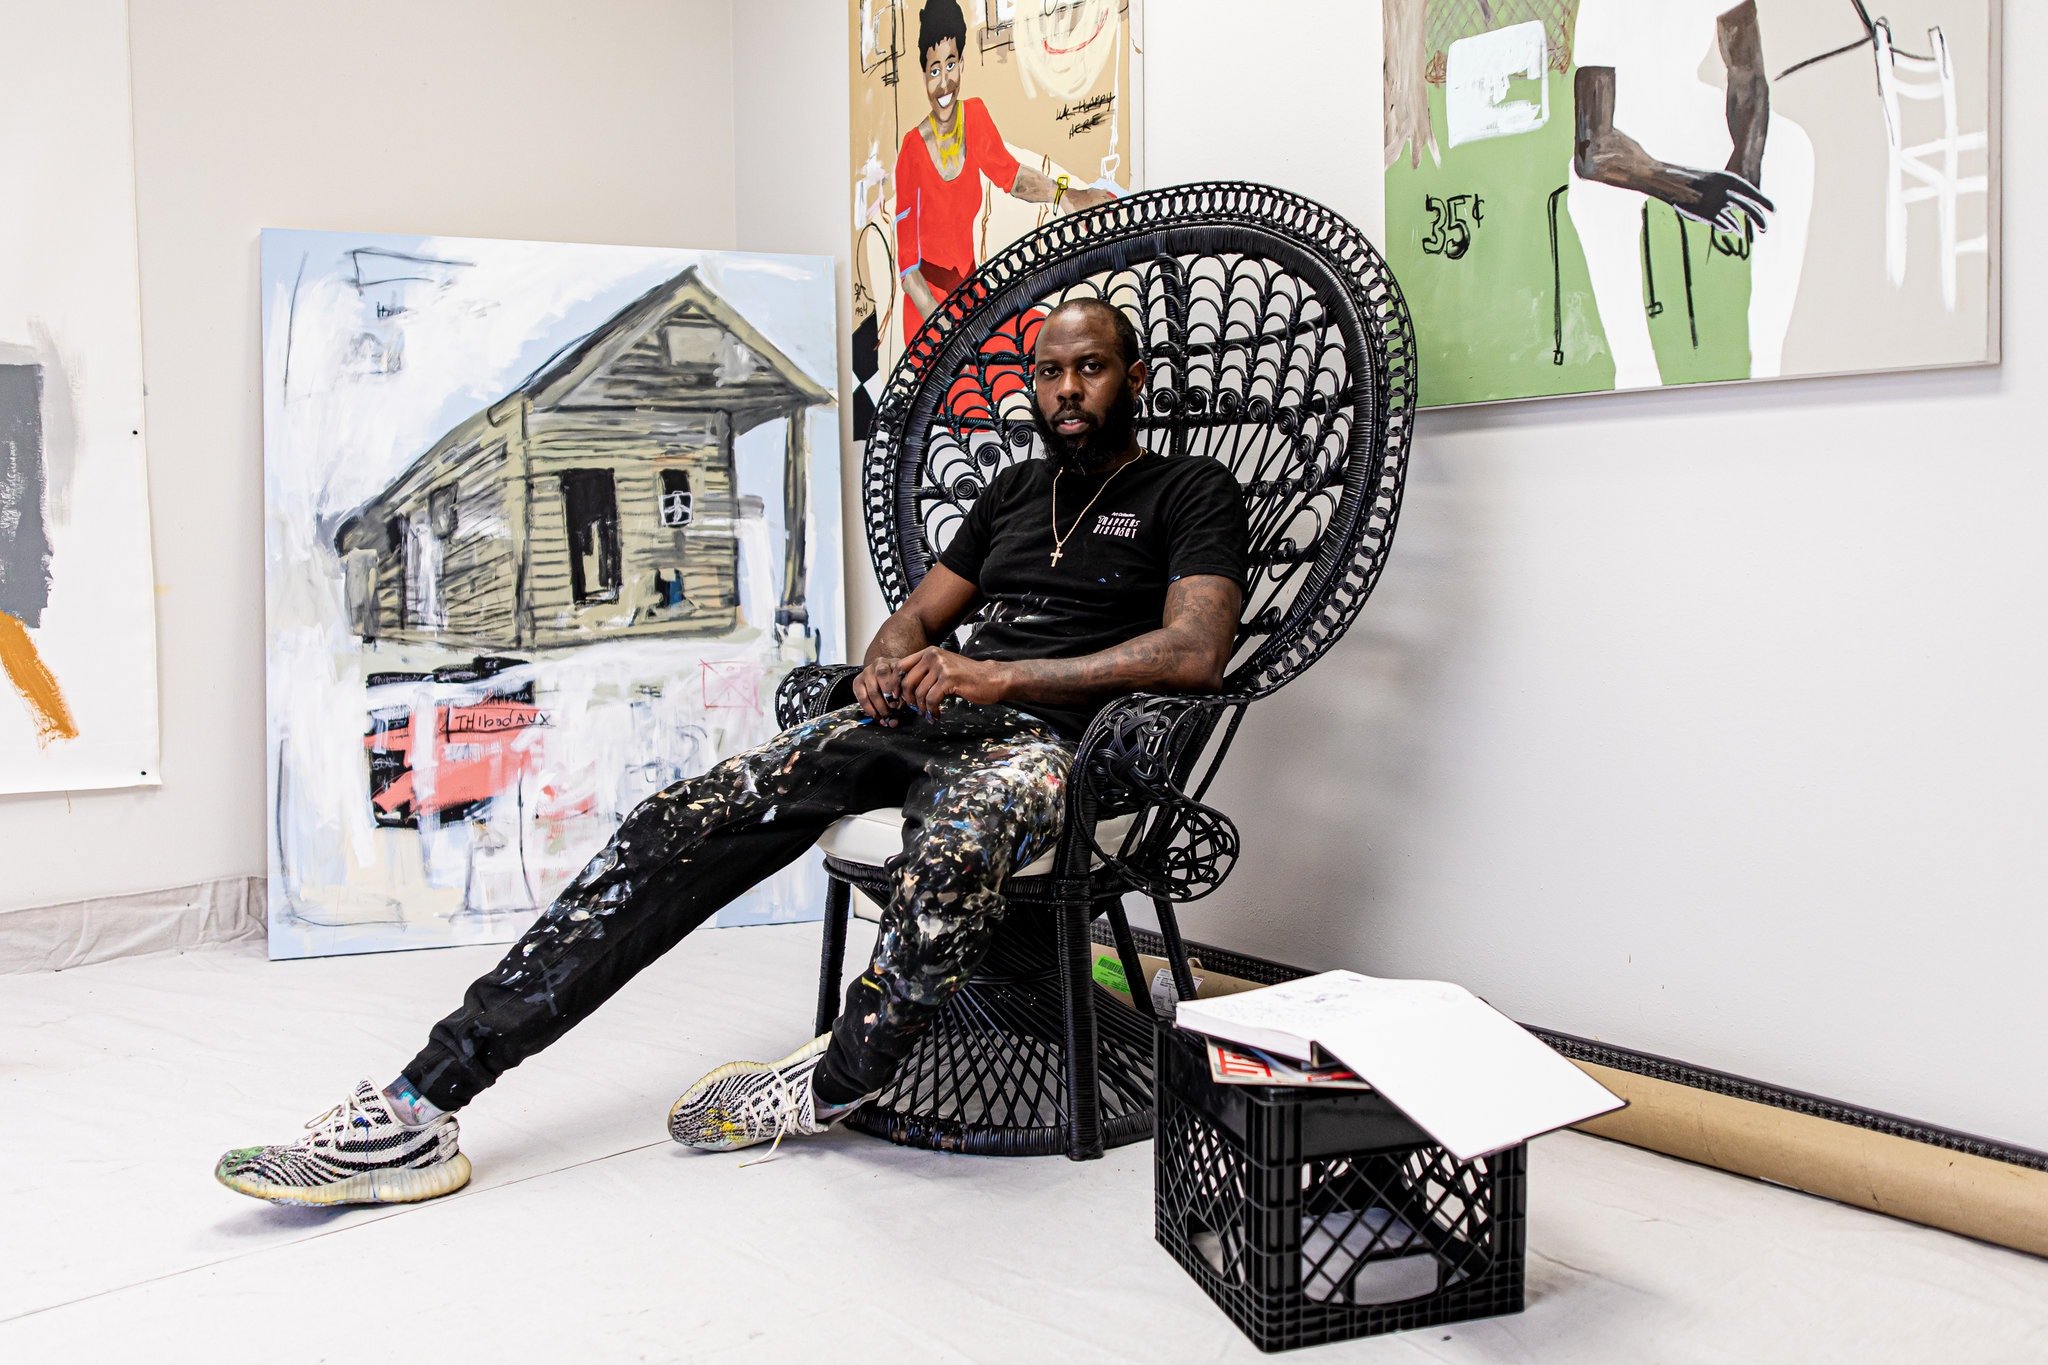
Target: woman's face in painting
[[942, 77]]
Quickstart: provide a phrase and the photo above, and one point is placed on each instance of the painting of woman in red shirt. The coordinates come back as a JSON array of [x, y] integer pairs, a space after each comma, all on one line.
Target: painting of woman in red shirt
[[940, 169]]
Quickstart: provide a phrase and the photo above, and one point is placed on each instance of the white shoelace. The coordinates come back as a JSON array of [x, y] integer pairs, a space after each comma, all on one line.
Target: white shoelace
[[786, 1109], [339, 1119]]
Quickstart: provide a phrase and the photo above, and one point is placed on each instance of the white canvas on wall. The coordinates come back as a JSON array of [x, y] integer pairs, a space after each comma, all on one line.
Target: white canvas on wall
[[78, 705], [545, 526]]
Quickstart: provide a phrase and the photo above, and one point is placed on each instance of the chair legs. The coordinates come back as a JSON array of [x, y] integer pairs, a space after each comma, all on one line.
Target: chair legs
[[1023, 1059], [1084, 1093], [832, 964], [1127, 954], [1176, 951]]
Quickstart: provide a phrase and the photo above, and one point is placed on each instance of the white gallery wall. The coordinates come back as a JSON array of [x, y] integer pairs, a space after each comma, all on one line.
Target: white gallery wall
[[486, 118], [1705, 723]]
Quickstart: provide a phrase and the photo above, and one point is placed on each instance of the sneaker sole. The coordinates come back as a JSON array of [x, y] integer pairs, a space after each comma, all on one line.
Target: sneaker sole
[[409, 1185]]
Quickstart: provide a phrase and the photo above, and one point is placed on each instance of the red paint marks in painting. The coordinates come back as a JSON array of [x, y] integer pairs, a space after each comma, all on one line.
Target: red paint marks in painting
[[1101, 22], [559, 805], [32, 678], [1003, 369], [476, 755], [729, 685]]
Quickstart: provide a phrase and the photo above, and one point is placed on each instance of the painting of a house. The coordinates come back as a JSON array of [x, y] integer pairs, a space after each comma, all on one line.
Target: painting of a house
[[598, 498], [546, 524]]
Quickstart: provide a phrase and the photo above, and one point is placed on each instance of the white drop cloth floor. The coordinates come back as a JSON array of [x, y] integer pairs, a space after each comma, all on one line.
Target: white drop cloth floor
[[587, 1237]]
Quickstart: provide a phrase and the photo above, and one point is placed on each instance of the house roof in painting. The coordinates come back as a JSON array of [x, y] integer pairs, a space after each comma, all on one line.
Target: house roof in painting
[[679, 345], [678, 348]]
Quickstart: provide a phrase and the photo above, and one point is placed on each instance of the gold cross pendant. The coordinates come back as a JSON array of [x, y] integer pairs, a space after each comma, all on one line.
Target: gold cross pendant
[[1056, 553]]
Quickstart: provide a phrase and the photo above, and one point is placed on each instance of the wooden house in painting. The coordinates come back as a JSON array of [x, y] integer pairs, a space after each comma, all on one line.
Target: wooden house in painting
[[597, 499]]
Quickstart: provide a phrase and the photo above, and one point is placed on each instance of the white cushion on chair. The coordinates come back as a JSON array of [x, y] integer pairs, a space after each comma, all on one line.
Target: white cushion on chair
[[874, 837]]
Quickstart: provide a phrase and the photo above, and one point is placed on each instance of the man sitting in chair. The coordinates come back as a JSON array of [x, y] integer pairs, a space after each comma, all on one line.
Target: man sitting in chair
[[1101, 570]]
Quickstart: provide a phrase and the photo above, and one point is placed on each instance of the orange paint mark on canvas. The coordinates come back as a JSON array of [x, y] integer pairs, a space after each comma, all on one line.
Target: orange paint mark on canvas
[[32, 678]]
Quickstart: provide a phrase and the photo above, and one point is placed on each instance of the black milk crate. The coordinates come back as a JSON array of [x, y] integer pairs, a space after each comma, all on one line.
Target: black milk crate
[[1321, 1215]]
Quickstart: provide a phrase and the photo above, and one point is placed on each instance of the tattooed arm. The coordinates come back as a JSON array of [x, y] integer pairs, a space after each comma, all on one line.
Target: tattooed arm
[[940, 602], [1186, 654]]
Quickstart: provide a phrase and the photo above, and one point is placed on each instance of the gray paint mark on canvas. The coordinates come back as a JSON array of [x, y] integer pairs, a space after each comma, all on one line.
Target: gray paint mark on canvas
[[24, 541], [60, 427]]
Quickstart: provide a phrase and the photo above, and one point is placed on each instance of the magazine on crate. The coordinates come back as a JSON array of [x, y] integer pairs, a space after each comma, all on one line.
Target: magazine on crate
[[1249, 1066]]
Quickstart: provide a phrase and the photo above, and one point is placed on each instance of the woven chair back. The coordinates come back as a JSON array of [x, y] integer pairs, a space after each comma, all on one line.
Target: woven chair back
[[1278, 343]]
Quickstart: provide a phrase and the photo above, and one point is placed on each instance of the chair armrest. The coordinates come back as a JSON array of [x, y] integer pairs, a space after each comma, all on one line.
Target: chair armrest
[[810, 690], [1131, 757]]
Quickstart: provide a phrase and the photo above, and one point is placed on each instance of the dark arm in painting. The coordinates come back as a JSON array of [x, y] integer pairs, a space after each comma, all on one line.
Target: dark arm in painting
[[1724, 198]]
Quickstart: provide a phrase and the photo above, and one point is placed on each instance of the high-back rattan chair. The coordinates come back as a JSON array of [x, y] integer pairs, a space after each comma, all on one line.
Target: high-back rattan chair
[[1278, 344]]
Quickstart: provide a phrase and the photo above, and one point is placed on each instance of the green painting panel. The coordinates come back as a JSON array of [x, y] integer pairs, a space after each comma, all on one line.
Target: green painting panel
[[1697, 293], [1499, 314]]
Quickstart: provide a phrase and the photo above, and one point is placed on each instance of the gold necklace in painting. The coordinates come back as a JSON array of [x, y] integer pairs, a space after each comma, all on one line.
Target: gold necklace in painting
[[1058, 540], [950, 142]]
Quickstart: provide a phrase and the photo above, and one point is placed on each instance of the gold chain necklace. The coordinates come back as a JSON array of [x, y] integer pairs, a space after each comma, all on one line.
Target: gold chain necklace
[[951, 141], [1059, 540]]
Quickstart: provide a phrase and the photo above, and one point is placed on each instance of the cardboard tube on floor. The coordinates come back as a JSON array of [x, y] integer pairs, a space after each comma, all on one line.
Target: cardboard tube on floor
[[1994, 1201]]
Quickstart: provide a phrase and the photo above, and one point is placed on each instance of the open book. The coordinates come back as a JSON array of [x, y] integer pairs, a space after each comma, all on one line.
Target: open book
[[1468, 1075]]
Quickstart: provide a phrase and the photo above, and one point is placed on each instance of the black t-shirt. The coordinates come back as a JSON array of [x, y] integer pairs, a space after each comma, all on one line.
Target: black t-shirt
[[1157, 519]]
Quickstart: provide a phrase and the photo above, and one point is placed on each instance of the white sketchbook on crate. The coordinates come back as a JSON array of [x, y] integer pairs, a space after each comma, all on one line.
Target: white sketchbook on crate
[[1469, 1076]]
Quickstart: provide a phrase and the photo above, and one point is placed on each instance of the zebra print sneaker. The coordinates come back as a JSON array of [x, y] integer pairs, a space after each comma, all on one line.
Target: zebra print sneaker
[[358, 1152], [744, 1103]]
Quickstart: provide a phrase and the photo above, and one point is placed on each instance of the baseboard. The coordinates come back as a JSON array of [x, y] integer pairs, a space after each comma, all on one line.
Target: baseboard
[[1978, 1187], [47, 938]]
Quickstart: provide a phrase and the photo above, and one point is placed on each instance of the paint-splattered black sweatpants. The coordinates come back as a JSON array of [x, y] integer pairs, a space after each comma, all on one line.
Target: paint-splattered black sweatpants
[[982, 791]]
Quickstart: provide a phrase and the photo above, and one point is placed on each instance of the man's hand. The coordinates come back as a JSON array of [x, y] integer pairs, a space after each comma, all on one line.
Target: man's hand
[[938, 603], [878, 688], [932, 675]]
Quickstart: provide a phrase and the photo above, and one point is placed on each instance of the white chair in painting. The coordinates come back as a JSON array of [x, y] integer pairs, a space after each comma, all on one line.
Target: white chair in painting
[[1925, 171]]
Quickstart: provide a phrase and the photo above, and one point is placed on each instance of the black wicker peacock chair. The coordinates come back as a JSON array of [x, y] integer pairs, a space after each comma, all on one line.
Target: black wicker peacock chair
[[1280, 345]]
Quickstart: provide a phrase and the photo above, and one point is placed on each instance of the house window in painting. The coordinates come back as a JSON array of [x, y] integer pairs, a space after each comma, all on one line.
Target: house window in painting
[[441, 506], [668, 589], [592, 508], [424, 609], [394, 540], [677, 508]]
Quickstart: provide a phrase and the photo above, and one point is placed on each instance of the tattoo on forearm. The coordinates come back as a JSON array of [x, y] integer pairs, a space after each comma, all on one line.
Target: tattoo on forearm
[[1186, 654], [899, 636]]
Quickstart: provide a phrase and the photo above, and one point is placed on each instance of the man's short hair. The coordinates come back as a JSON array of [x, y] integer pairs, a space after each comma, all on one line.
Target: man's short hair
[[940, 20], [1126, 333]]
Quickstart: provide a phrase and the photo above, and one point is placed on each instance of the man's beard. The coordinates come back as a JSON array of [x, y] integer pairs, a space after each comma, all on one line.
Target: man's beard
[[1094, 448]]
